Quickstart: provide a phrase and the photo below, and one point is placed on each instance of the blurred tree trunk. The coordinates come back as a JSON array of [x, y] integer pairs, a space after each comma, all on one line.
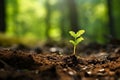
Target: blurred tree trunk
[[48, 16], [116, 4], [111, 18], [15, 16], [73, 15], [2, 16], [63, 26]]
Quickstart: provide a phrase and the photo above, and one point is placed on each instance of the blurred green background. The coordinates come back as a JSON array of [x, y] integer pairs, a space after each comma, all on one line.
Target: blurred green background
[[42, 20]]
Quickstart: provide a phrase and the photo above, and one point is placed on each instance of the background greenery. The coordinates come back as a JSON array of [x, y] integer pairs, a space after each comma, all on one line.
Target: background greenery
[[52, 19]]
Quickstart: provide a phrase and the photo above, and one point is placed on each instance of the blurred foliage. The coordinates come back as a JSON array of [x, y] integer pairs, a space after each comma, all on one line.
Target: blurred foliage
[[39, 19], [116, 12]]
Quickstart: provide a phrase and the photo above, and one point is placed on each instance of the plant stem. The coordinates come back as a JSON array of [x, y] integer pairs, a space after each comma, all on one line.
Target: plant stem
[[75, 46], [74, 49]]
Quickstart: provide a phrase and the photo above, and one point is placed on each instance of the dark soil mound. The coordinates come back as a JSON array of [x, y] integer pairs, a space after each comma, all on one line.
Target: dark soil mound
[[18, 64]]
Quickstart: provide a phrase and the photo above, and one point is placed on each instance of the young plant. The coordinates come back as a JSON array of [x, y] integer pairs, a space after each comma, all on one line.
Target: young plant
[[77, 38]]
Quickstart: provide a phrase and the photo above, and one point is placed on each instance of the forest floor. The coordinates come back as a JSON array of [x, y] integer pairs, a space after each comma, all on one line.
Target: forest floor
[[96, 62]]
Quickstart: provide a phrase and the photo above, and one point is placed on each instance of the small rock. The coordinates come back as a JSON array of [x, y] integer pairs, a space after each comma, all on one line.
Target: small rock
[[89, 72], [101, 70], [71, 73], [56, 50], [84, 68]]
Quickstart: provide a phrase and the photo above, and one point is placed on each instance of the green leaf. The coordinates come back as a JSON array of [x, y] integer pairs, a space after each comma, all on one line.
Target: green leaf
[[73, 42], [79, 40], [79, 33], [72, 33]]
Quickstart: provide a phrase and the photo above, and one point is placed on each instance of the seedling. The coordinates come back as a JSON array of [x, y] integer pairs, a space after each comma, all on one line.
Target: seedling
[[77, 38]]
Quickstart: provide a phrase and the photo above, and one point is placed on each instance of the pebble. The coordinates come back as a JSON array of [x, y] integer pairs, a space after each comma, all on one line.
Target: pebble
[[102, 70], [56, 50], [84, 68], [89, 72], [71, 73]]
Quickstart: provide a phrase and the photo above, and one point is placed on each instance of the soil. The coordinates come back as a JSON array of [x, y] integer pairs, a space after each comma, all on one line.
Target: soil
[[98, 62]]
